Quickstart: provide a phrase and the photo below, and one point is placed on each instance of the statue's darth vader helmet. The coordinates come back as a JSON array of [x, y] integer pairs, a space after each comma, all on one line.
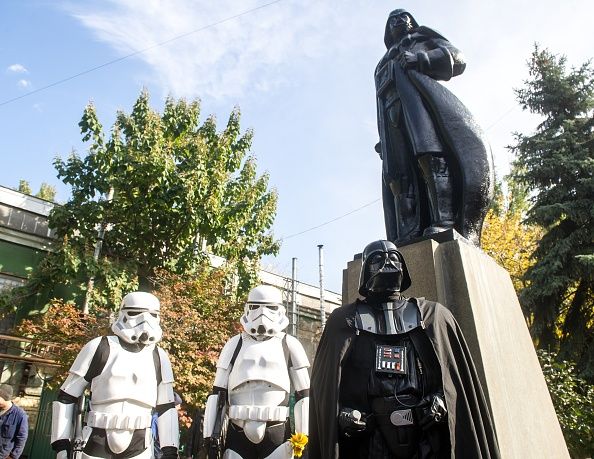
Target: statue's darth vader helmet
[[396, 14], [383, 270], [139, 319], [264, 314]]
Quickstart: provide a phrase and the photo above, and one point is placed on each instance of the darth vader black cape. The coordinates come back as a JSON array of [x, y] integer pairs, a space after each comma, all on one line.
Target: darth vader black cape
[[472, 434]]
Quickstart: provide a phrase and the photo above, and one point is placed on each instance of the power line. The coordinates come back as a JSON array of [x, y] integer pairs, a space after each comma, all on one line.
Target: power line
[[492, 125], [135, 53], [330, 221]]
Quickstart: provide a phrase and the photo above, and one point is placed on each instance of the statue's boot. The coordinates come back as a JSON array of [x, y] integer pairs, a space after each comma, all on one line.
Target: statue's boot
[[401, 208], [408, 225], [440, 192]]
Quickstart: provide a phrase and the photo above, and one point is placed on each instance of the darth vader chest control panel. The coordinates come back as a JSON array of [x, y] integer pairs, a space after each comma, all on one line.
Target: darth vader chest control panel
[[390, 359]]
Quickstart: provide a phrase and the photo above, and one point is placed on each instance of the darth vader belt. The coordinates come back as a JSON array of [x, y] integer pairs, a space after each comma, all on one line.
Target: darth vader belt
[[402, 418]]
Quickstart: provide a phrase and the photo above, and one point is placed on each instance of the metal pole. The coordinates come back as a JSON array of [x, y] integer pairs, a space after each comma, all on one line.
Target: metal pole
[[322, 305], [98, 245], [294, 297]]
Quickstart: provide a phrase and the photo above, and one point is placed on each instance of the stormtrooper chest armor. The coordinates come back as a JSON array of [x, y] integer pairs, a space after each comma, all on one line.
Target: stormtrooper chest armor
[[126, 376], [261, 361]]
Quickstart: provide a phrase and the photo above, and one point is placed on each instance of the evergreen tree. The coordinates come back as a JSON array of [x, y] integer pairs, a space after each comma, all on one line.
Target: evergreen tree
[[556, 165]]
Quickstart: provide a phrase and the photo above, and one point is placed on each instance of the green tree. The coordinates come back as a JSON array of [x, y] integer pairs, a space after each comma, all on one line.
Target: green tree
[[556, 165], [574, 403], [24, 187], [165, 189], [46, 191]]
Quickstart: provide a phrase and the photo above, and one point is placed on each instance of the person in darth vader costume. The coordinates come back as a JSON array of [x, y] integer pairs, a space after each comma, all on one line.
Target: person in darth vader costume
[[393, 377]]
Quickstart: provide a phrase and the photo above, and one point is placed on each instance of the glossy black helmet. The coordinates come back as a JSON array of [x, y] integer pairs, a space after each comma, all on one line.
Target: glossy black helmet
[[382, 260]]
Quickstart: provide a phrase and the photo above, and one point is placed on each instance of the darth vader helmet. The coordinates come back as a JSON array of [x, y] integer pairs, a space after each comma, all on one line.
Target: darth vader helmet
[[264, 314], [139, 318], [383, 270], [396, 15]]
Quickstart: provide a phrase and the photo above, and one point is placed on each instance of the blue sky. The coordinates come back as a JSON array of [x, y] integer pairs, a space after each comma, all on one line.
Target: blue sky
[[300, 70]]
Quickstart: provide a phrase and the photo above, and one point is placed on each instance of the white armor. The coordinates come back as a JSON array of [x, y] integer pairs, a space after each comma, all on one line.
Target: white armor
[[258, 383], [123, 393]]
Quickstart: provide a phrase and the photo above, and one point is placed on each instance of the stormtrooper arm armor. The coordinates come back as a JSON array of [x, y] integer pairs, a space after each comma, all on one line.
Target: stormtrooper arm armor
[[63, 409], [219, 391], [300, 379], [167, 422]]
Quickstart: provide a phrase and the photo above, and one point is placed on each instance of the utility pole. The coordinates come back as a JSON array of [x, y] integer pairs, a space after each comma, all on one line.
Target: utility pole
[[294, 297], [322, 305]]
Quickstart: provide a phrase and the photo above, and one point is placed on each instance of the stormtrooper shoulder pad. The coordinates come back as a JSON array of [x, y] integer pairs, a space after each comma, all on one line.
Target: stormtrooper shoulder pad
[[298, 356], [85, 356], [166, 370], [229, 350]]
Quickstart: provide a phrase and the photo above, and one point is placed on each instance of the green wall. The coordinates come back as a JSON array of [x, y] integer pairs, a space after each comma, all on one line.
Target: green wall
[[17, 260]]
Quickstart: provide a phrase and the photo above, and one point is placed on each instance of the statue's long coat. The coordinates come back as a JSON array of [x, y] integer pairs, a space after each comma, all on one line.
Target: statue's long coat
[[472, 435]]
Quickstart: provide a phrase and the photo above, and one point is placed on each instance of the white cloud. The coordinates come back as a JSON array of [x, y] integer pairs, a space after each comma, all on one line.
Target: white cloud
[[23, 83], [251, 52], [17, 68]]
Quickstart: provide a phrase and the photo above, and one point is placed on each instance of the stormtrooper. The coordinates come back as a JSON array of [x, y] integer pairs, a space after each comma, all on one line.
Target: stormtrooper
[[393, 378], [129, 377], [255, 372]]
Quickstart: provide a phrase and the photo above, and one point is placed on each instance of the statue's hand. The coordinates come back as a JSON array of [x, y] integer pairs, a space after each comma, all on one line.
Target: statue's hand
[[350, 422], [408, 60]]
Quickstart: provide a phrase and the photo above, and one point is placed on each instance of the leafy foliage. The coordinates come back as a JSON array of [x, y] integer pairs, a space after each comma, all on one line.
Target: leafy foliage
[[198, 317], [573, 399], [556, 165], [65, 325], [46, 191], [24, 187], [179, 187], [506, 237]]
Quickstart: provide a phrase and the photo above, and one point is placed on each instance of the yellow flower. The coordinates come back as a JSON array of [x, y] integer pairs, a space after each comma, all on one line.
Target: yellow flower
[[298, 441]]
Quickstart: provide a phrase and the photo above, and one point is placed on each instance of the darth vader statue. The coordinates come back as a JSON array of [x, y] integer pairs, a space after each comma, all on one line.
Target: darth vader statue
[[437, 171], [392, 376]]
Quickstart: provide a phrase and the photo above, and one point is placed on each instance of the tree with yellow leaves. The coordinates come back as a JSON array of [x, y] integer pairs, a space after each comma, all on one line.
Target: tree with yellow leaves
[[506, 237]]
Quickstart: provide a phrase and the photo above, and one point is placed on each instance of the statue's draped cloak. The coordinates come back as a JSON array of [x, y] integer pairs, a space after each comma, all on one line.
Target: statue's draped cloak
[[472, 434]]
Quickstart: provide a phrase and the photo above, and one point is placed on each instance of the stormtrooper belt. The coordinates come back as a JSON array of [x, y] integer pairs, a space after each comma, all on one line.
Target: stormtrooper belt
[[117, 421], [258, 413]]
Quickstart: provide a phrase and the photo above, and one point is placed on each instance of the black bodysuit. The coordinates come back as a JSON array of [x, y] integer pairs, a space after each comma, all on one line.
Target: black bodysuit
[[378, 394]]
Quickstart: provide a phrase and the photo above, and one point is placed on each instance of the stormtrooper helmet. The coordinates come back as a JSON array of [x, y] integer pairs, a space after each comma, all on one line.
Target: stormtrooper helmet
[[138, 321], [264, 314]]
